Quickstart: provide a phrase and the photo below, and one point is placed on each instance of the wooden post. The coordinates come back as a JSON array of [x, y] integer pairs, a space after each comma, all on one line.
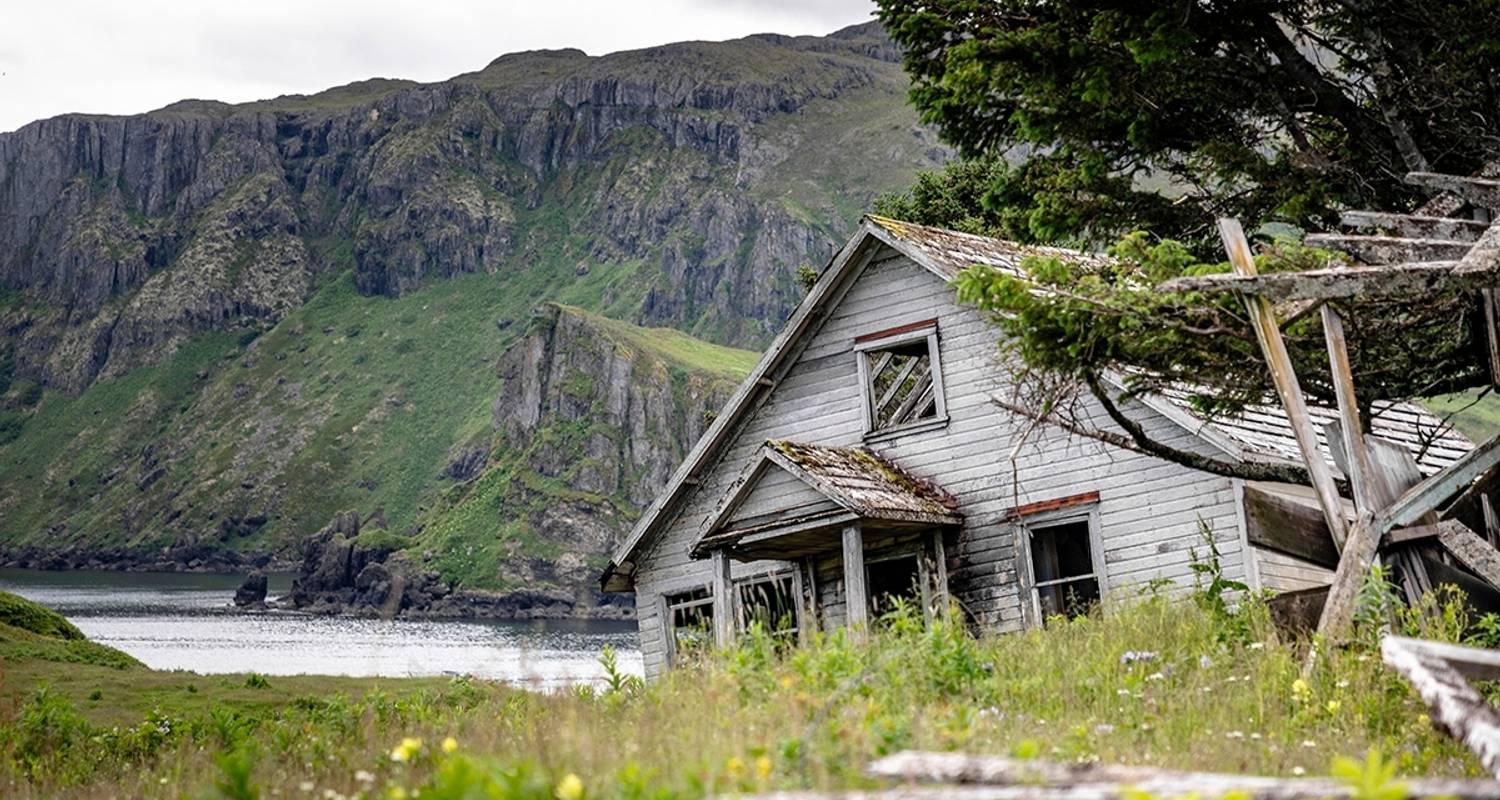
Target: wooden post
[[856, 600], [723, 599], [807, 599], [939, 575], [1268, 332]]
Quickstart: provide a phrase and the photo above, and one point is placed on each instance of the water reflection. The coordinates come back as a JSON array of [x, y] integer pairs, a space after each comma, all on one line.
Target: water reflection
[[185, 621]]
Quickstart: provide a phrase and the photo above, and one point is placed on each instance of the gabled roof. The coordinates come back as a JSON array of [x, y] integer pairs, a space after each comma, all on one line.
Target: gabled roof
[[860, 485], [945, 253]]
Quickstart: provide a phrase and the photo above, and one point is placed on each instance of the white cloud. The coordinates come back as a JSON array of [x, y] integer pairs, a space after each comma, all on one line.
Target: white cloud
[[121, 57]]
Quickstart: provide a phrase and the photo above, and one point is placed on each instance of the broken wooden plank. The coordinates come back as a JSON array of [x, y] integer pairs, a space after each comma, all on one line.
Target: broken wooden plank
[[1484, 256], [1415, 226], [972, 776], [1375, 249], [1263, 318], [1437, 489], [1396, 280], [1478, 191], [1471, 550], [1455, 705], [1288, 525]]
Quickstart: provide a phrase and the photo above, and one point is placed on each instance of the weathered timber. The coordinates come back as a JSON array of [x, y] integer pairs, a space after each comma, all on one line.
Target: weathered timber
[[1354, 562], [856, 599], [1479, 191], [1263, 318], [1471, 550], [1415, 226], [723, 588], [1437, 489], [1358, 465], [1460, 710], [964, 776], [1490, 305], [1396, 280], [1298, 612], [1288, 525], [1390, 249]]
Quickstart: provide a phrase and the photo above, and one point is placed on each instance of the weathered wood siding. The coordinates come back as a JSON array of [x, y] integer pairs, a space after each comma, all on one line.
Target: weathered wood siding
[[1283, 573], [1149, 510], [777, 494]]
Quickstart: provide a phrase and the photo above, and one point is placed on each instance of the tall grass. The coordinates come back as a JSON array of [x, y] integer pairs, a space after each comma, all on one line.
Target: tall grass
[[1150, 682]]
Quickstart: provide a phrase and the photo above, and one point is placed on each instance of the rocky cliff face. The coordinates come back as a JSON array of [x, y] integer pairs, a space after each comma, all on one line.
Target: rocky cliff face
[[220, 326], [593, 416], [137, 232]]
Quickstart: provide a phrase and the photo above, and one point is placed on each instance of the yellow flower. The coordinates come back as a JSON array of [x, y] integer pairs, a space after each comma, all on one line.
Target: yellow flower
[[786, 681], [397, 793], [570, 787], [1333, 706], [450, 744], [1300, 689], [1424, 720], [407, 750], [763, 767], [735, 767]]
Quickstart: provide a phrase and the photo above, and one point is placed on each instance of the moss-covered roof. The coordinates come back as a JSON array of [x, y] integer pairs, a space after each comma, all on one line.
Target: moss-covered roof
[[864, 481]]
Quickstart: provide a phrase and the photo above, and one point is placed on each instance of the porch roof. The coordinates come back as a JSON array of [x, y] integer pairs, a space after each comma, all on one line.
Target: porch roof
[[861, 485]]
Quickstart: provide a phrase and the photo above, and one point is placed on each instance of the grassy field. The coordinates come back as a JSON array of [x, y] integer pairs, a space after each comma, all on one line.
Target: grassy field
[[1177, 684]]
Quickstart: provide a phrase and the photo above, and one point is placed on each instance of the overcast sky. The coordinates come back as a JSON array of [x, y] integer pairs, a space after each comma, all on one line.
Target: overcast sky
[[127, 56]]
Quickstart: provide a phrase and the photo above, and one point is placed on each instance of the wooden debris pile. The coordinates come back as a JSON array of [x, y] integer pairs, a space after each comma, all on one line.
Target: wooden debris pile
[[1429, 531]]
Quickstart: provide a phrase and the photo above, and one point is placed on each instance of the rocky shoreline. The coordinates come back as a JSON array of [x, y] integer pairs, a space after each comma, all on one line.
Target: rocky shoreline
[[354, 567]]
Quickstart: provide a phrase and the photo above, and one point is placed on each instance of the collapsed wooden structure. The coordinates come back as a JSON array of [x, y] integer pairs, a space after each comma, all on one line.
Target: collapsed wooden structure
[[1428, 529]]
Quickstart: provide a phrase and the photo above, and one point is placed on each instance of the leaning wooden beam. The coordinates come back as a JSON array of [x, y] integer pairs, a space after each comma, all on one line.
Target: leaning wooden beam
[[1415, 226], [1390, 249], [1263, 318], [1396, 280], [1437, 489], [1479, 191], [1455, 705]]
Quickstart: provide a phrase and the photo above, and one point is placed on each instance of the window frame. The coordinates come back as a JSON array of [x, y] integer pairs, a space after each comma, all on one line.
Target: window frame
[[927, 332], [1026, 527], [667, 611], [793, 580]]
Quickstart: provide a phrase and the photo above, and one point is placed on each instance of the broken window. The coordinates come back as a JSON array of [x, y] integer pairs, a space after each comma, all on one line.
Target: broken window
[[771, 602], [901, 377], [892, 580], [1064, 579], [690, 621]]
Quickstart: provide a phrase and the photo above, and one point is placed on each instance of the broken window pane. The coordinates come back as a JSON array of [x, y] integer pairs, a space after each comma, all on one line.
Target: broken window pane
[[901, 386], [690, 620], [770, 602], [1062, 568]]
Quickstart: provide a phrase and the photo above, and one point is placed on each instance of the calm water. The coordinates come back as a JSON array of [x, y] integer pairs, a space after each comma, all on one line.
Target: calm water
[[185, 621]]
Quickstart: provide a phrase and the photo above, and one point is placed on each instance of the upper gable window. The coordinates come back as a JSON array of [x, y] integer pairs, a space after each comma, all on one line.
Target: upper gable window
[[901, 380]]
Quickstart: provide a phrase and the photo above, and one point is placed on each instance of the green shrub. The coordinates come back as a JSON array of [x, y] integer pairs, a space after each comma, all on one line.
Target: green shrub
[[18, 612]]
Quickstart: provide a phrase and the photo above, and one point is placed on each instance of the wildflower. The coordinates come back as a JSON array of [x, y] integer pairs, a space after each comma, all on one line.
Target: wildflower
[[1156, 676], [735, 767], [1123, 692], [1104, 728], [786, 681], [1204, 662], [763, 767], [1333, 706], [1309, 743], [1257, 645], [1255, 736], [397, 793], [1424, 720], [1300, 690], [450, 745], [306, 786], [1342, 684], [1298, 771], [1132, 656], [364, 776], [570, 787], [1235, 735], [407, 750]]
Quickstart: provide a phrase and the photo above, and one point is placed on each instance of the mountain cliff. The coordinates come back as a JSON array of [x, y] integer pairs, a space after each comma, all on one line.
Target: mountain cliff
[[225, 324]]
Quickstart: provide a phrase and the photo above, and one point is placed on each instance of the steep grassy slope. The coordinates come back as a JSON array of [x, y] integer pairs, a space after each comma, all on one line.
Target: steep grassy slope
[[221, 325]]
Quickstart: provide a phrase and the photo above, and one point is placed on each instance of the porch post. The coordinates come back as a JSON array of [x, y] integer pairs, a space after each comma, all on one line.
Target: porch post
[[723, 600], [939, 574], [856, 600]]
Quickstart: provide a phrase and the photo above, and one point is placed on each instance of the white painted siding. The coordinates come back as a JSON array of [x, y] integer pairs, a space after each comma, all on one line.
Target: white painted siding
[[777, 493], [1149, 510], [1284, 573]]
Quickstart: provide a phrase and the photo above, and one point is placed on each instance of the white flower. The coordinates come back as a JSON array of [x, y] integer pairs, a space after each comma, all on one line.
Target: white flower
[[1343, 684], [1234, 735], [1123, 692], [1104, 728], [1255, 736], [1309, 743], [1205, 662], [306, 786], [1298, 771], [364, 776], [1156, 676], [1257, 645]]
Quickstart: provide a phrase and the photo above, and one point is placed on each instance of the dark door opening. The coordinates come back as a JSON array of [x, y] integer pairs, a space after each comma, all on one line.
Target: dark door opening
[[891, 579]]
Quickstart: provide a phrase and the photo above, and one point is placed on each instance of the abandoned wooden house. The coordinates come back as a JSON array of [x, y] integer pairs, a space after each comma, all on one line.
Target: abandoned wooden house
[[865, 459]]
